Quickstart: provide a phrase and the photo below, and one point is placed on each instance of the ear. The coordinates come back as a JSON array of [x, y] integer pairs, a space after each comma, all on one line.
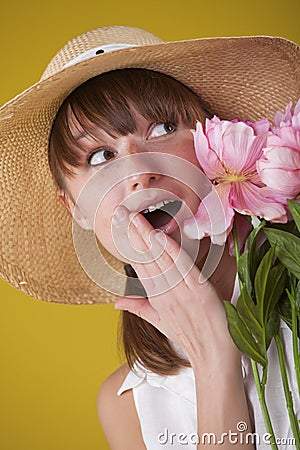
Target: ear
[[73, 209]]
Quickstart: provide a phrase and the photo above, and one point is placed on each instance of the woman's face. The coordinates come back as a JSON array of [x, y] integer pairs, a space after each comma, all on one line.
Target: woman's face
[[155, 164]]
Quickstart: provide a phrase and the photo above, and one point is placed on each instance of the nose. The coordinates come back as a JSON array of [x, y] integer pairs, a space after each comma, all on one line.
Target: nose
[[140, 166], [143, 180]]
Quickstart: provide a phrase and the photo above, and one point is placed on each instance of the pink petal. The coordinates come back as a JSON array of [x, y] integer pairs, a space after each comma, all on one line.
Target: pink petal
[[289, 137], [214, 216], [277, 195], [297, 108], [211, 123], [241, 147], [207, 158], [255, 154], [283, 180], [285, 118], [247, 198], [215, 128], [281, 171], [296, 122], [282, 157], [261, 127]]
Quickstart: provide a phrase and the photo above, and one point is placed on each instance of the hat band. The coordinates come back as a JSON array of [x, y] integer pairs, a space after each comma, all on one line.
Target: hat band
[[97, 51]]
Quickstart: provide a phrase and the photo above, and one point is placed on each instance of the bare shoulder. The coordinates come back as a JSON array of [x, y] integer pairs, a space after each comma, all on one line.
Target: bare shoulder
[[111, 385], [117, 414]]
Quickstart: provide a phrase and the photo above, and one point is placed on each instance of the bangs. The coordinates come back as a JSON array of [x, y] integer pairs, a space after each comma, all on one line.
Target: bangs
[[106, 103]]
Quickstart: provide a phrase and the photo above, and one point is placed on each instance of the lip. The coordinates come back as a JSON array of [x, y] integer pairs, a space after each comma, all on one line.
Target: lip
[[174, 223], [149, 199], [152, 197], [170, 227]]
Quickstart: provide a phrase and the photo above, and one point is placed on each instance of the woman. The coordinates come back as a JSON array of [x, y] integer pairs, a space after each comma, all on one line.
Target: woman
[[111, 147]]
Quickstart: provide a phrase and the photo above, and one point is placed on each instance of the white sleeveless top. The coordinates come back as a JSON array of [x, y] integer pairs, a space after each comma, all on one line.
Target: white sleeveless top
[[166, 405]]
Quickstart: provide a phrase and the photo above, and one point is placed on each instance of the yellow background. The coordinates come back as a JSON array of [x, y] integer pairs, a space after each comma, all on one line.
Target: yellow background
[[54, 357]]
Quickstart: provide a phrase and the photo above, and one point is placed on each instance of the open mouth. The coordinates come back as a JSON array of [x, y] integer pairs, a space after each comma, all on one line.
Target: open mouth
[[162, 213]]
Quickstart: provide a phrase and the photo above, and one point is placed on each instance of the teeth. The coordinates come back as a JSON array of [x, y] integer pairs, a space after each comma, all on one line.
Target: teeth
[[157, 206]]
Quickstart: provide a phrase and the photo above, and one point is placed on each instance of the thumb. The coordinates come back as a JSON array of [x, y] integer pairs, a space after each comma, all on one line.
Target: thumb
[[139, 306]]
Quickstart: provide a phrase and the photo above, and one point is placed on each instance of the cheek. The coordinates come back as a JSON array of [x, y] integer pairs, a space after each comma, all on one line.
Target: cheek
[[185, 150], [190, 154], [94, 196]]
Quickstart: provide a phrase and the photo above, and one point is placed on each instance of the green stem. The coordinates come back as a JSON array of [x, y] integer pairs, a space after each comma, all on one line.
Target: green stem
[[236, 251], [295, 339], [260, 384], [260, 387], [287, 392], [236, 244]]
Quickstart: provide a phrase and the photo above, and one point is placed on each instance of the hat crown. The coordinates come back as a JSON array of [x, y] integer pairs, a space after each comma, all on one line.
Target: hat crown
[[104, 36]]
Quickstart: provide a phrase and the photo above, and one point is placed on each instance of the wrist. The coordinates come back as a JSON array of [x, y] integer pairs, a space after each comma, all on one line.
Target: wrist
[[213, 369]]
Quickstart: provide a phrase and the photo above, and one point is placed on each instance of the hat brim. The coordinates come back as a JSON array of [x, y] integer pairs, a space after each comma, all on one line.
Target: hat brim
[[245, 77]]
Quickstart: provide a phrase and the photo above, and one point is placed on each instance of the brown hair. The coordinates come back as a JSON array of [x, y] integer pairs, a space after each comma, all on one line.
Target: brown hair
[[106, 102]]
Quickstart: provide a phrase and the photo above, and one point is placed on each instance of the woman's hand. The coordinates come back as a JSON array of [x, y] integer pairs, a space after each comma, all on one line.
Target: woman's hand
[[188, 311], [180, 304]]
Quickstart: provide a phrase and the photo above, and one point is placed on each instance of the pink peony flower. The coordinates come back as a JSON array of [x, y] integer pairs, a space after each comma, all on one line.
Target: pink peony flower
[[280, 167], [289, 118], [228, 152]]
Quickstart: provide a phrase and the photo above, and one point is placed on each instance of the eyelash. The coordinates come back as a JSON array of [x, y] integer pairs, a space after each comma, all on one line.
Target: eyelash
[[165, 124], [94, 152]]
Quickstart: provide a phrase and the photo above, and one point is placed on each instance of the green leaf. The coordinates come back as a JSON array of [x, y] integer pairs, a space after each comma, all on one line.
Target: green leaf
[[262, 250], [276, 284], [284, 310], [295, 210], [297, 299], [241, 336], [295, 303], [243, 272], [261, 283], [252, 253], [253, 235], [287, 248], [272, 328], [248, 312]]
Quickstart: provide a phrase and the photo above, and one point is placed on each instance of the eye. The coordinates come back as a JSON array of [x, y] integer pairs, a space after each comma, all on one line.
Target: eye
[[100, 156], [162, 129]]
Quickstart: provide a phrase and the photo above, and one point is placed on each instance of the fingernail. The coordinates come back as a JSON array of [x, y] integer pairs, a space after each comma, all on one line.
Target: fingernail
[[160, 237], [119, 214], [134, 219]]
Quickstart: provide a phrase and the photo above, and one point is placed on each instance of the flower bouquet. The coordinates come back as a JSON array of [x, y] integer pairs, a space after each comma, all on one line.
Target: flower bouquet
[[255, 170]]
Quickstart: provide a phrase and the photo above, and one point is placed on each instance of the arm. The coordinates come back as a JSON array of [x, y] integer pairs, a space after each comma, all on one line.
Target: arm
[[221, 401], [117, 414], [192, 315]]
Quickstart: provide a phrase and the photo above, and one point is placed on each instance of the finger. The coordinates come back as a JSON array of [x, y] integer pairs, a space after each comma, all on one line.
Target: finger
[[157, 241], [149, 234], [169, 258], [139, 306], [146, 233], [160, 262], [128, 243], [175, 257], [119, 230], [150, 272], [130, 239]]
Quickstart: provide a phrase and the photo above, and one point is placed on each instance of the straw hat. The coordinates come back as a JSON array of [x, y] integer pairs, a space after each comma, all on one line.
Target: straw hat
[[245, 77]]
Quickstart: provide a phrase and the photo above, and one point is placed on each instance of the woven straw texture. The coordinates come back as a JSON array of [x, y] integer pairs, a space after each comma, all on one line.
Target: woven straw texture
[[249, 78]]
